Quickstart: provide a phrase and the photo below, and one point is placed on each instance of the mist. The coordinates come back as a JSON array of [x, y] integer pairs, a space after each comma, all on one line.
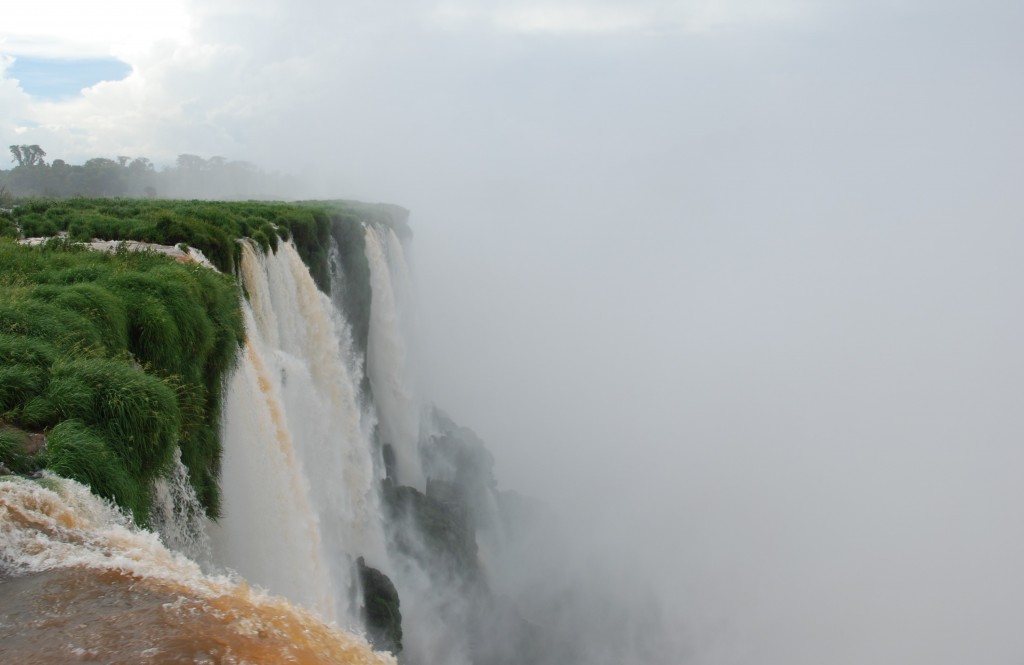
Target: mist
[[734, 292]]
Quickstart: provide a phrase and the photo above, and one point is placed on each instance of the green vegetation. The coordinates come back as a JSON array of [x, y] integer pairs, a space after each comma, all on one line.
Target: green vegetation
[[190, 175], [117, 358], [356, 296], [13, 446], [381, 608], [211, 227]]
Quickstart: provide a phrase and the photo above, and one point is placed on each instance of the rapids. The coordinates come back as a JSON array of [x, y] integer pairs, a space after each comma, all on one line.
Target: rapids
[[300, 475], [82, 584], [349, 508]]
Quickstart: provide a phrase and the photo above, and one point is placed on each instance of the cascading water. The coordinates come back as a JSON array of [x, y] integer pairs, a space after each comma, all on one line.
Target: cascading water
[[312, 510], [268, 532], [387, 357], [301, 470], [91, 587], [300, 462], [178, 516]]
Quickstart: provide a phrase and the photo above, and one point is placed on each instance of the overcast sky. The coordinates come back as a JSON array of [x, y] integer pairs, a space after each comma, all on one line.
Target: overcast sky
[[737, 284]]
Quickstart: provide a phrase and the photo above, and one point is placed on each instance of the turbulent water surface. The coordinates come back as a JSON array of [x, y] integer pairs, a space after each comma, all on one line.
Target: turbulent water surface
[[346, 503], [81, 584]]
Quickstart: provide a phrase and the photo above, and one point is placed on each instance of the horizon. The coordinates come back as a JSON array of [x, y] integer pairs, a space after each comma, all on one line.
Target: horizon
[[735, 286]]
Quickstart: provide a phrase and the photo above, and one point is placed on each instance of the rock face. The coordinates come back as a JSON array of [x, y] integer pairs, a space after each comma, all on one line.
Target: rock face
[[432, 532], [18, 450], [438, 531], [383, 616]]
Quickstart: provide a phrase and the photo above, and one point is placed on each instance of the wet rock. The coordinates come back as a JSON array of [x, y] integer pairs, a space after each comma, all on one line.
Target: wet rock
[[382, 611], [433, 531]]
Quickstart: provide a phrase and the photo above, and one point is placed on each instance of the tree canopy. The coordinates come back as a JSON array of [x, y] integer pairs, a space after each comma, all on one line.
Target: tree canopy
[[28, 155], [192, 176]]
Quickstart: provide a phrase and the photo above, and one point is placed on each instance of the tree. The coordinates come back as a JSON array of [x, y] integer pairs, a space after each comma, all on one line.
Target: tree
[[102, 177], [141, 165], [28, 155], [187, 162]]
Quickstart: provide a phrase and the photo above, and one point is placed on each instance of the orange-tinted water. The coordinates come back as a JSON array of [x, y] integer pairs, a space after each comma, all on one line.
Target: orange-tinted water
[[79, 585], [83, 615]]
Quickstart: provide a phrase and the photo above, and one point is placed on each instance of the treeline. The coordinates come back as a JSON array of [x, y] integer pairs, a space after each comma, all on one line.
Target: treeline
[[191, 177]]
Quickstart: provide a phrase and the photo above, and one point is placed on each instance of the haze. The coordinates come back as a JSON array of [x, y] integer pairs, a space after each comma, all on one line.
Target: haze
[[734, 286]]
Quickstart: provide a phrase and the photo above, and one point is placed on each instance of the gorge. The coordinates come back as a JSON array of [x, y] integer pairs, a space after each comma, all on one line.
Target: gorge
[[299, 494]]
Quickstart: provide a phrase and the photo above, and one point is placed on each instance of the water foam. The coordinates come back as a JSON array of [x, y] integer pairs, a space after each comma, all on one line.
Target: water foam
[[388, 362], [298, 469], [63, 549], [177, 515]]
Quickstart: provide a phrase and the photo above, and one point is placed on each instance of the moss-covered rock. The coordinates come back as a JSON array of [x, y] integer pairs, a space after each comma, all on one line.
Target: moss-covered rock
[[460, 469], [352, 272], [382, 608], [18, 450]]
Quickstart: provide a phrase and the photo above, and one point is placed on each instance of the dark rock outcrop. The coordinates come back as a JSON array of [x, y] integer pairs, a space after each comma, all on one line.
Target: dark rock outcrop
[[381, 607], [432, 531]]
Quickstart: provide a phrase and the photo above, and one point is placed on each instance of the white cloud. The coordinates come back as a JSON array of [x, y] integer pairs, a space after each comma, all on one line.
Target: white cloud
[[74, 29], [576, 16], [704, 255], [225, 76], [13, 104]]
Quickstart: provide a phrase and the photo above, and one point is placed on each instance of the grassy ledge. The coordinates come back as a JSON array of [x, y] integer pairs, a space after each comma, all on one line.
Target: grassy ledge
[[115, 359]]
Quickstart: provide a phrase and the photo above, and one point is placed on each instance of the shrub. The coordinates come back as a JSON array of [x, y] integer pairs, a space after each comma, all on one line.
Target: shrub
[[13, 443], [124, 356], [74, 450], [136, 411]]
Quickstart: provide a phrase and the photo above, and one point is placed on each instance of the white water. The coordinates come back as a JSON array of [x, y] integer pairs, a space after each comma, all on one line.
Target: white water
[[64, 524], [388, 362], [299, 481], [91, 587], [178, 516], [300, 477]]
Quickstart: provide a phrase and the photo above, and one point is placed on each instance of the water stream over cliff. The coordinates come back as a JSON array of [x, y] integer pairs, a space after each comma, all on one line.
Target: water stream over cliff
[[348, 509], [301, 510], [296, 455]]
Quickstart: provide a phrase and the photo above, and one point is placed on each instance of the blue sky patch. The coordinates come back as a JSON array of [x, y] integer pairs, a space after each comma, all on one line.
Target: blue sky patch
[[59, 79]]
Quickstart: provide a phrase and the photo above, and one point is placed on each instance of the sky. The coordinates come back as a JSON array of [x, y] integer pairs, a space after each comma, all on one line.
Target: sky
[[734, 285]]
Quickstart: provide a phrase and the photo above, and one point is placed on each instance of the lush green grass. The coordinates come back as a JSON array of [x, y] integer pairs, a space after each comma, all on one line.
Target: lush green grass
[[214, 227], [13, 444], [76, 451], [119, 358], [209, 226]]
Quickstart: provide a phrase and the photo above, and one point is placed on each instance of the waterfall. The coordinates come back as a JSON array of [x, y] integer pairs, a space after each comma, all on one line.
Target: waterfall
[[388, 362], [300, 500], [418, 555], [178, 516]]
